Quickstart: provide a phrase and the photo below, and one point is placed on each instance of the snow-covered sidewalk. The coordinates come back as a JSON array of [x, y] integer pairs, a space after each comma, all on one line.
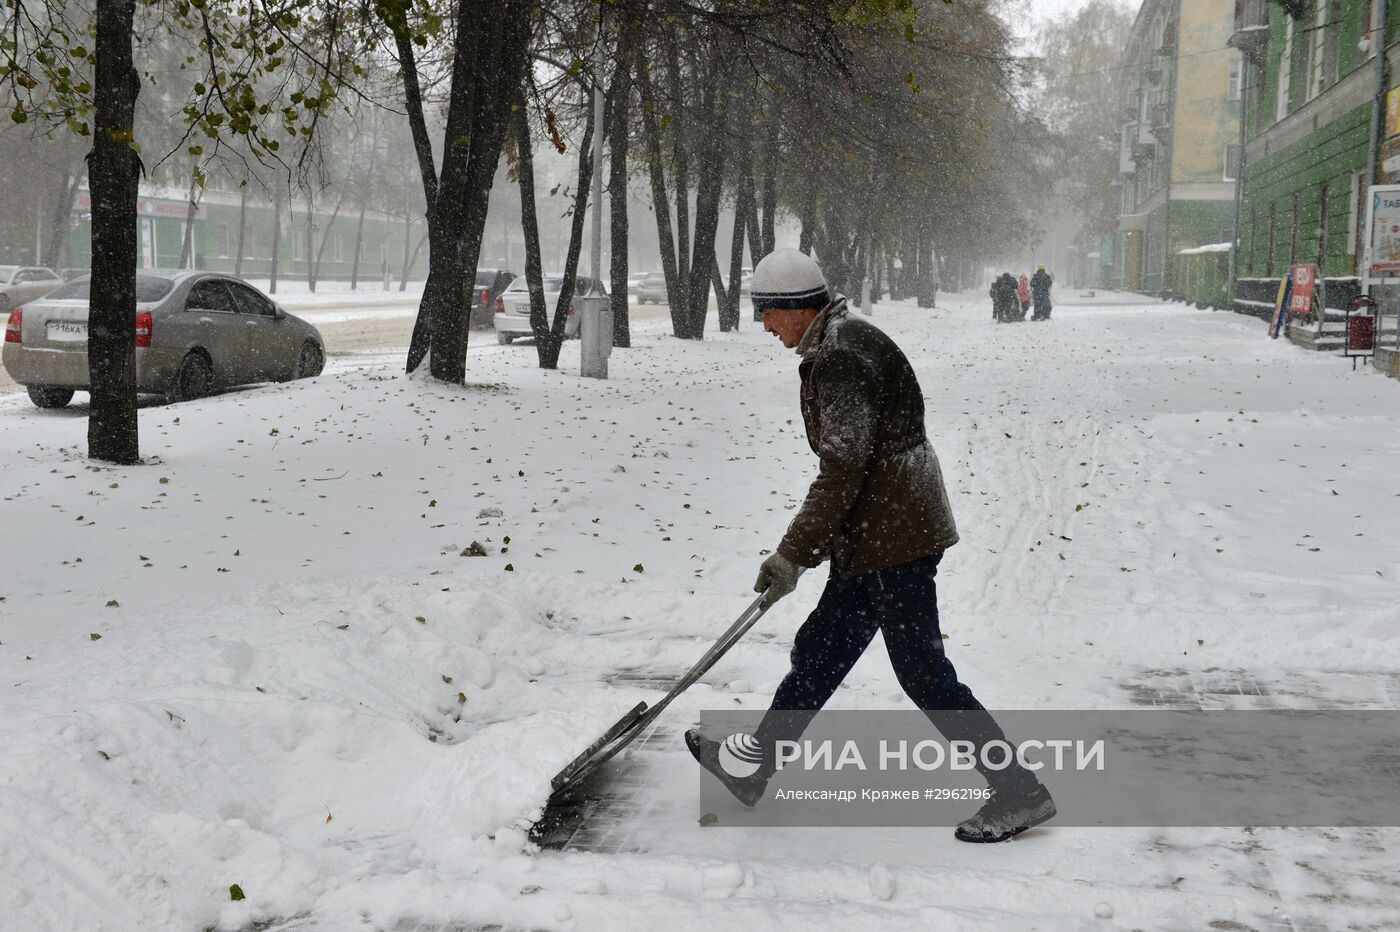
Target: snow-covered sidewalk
[[262, 659]]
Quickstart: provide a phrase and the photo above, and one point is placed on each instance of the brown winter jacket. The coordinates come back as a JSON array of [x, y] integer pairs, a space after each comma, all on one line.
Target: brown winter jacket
[[878, 499]]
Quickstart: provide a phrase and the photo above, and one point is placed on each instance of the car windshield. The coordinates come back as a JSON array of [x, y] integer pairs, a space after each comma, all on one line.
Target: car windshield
[[485, 279], [148, 288]]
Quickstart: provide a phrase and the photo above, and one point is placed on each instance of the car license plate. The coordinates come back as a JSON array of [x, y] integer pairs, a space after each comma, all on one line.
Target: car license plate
[[67, 331]]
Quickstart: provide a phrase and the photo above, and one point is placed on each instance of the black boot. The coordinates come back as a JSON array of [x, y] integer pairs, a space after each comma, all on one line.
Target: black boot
[[748, 790], [1006, 816]]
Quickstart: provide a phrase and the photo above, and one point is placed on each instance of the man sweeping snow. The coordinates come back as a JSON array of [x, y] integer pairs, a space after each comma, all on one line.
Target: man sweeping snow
[[879, 513]]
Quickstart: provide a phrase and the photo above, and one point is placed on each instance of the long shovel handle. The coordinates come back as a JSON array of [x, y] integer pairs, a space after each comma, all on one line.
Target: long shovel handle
[[741, 626], [635, 722], [728, 639]]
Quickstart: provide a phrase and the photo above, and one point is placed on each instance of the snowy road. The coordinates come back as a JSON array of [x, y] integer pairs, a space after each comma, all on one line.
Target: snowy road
[[261, 660]]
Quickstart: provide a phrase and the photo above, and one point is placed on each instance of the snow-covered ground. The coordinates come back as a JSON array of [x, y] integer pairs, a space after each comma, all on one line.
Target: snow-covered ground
[[262, 660]]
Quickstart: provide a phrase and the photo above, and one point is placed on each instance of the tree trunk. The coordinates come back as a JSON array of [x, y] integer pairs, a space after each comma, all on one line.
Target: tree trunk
[[681, 156], [546, 343], [755, 230], [407, 238], [729, 310], [661, 205], [310, 245], [619, 110], [487, 68], [717, 283], [585, 179], [62, 213], [809, 220], [276, 236], [715, 97], [187, 241], [770, 183], [242, 228], [325, 237], [114, 169], [729, 318], [359, 242]]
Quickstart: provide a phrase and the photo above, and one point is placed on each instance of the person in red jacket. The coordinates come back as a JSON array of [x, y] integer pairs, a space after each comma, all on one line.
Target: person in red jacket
[[1023, 292]]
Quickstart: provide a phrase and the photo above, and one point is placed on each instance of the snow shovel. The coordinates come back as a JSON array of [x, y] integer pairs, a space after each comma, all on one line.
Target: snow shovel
[[626, 729]]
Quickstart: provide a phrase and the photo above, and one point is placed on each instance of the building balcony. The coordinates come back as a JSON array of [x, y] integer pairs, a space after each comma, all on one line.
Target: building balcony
[[1251, 33]]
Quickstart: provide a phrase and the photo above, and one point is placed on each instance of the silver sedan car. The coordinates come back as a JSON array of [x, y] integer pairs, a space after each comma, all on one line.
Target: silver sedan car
[[195, 332], [21, 283], [513, 306]]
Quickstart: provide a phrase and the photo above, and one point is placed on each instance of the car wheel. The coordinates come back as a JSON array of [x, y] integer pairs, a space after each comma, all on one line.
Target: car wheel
[[194, 379], [46, 397], [310, 362], [503, 338]]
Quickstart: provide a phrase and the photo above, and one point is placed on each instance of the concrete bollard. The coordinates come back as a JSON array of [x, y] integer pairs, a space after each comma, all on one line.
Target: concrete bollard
[[595, 332]]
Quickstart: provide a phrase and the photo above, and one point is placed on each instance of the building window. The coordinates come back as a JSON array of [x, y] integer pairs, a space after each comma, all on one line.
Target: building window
[[336, 251], [221, 240], [1235, 83], [1273, 237], [1356, 211], [1284, 71], [1316, 66], [1332, 50], [297, 248], [1253, 235], [1297, 219], [1232, 161], [1322, 207]]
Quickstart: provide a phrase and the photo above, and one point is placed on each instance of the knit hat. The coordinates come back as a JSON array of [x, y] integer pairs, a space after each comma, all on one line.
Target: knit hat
[[788, 279]]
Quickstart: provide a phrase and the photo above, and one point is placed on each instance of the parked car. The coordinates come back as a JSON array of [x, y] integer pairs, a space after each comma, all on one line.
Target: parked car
[[20, 284], [652, 289], [195, 332], [490, 284], [513, 307], [635, 279]]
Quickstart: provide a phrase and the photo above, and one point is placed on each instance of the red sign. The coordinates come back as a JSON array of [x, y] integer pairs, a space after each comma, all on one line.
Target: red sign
[[1303, 277], [1361, 333]]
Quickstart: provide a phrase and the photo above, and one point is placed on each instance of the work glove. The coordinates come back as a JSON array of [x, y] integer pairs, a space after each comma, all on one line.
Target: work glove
[[776, 578]]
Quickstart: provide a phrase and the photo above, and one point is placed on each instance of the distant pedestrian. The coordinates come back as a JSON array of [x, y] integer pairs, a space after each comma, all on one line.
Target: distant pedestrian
[[1040, 293], [1023, 294], [1003, 292]]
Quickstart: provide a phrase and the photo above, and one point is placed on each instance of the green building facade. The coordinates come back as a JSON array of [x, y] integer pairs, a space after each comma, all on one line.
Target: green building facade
[[1310, 92]]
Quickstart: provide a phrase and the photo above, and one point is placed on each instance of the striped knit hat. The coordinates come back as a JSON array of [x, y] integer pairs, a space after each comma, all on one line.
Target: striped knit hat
[[788, 279]]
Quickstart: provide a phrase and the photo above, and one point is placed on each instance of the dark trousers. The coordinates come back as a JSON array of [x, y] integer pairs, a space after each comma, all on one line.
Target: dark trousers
[[902, 603]]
